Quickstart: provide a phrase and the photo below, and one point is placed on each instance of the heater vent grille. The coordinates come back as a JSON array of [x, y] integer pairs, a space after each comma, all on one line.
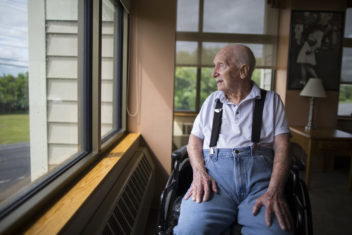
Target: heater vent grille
[[123, 217]]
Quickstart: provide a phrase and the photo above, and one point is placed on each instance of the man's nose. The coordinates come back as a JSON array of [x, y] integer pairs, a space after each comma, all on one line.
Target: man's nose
[[215, 73]]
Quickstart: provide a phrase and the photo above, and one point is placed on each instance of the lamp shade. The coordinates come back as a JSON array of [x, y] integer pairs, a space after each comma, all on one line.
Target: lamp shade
[[313, 88]]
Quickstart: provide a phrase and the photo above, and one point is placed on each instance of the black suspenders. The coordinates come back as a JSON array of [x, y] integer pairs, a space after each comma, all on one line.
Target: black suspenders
[[215, 130], [256, 124], [258, 117]]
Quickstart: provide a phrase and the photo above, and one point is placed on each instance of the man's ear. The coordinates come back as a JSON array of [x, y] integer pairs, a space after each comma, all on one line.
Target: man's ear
[[244, 71]]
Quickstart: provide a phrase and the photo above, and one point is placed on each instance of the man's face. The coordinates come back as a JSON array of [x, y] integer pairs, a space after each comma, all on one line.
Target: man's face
[[225, 72]]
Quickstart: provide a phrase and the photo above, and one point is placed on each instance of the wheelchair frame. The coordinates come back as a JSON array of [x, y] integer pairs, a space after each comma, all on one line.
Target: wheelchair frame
[[181, 177]]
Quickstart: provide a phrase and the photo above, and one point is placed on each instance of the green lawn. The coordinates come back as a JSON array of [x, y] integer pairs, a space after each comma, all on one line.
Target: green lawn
[[14, 128]]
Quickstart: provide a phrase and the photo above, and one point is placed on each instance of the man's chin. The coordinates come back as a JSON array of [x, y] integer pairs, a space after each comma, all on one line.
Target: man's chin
[[220, 88]]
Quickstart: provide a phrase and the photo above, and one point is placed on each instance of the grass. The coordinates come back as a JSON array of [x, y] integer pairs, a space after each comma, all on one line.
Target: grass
[[14, 128]]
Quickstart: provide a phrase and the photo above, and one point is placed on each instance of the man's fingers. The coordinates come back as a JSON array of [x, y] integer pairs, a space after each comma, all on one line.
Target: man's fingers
[[281, 217], [257, 205], [268, 213], [288, 217], [189, 193], [202, 187], [206, 193], [199, 193], [214, 186]]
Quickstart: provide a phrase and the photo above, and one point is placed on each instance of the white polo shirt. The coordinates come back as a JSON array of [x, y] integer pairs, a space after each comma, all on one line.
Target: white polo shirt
[[236, 126]]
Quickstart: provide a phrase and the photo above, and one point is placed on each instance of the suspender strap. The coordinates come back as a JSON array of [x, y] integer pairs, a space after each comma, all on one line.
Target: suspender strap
[[256, 125], [215, 131], [257, 117]]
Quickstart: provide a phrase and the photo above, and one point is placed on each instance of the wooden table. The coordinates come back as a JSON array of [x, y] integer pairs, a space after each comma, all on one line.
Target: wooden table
[[325, 141]]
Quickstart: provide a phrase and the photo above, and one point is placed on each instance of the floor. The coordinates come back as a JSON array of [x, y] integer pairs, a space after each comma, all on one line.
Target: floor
[[331, 202]]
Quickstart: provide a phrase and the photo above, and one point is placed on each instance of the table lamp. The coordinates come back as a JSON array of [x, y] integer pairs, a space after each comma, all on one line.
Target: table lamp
[[313, 89]]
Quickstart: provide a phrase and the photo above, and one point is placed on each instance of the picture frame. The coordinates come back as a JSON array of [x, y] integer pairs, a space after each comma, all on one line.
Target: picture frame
[[315, 49]]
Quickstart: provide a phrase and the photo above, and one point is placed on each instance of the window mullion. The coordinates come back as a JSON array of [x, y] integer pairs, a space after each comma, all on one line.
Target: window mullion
[[198, 89], [200, 16], [96, 76]]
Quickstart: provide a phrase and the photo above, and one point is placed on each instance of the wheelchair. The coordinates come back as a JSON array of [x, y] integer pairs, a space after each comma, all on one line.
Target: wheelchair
[[181, 178]]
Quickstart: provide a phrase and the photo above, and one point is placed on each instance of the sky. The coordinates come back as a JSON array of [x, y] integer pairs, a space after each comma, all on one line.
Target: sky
[[13, 37], [245, 17]]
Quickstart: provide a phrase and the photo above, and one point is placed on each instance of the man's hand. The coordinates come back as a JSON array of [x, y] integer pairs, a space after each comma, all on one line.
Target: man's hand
[[274, 202], [202, 186]]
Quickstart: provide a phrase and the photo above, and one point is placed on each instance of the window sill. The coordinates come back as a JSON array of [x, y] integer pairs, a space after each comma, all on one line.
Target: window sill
[[185, 114], [57, 216]]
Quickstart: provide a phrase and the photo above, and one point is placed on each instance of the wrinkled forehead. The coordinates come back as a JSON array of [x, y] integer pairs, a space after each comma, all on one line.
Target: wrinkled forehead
[[225, 55]]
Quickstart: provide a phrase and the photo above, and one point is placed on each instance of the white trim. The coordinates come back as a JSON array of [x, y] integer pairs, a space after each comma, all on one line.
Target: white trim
[[37, 88]]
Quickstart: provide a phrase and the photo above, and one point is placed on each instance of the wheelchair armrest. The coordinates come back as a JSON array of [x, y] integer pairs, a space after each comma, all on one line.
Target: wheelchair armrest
[[179, 154]]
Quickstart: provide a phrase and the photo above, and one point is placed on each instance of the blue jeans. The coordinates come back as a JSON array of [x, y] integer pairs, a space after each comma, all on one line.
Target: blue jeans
[[242, 175]]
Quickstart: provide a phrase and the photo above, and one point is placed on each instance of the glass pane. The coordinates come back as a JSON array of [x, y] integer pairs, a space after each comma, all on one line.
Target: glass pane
[[185, 88], [187, 15], [108, 71], [263, 78], [346, 69], [348, 23], [186, 52], [234, 16], [345, 100], [207, 84], [39, 98], [209, 50]]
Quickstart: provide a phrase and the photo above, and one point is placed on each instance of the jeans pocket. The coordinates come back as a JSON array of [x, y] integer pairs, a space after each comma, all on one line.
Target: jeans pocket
[[269, 160], [264, 160]]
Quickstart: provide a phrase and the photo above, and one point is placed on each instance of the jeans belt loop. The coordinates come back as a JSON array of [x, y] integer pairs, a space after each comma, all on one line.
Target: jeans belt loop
[[254, 148]]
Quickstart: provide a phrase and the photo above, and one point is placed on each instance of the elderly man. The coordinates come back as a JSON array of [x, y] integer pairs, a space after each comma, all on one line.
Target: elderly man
[[236, 178]]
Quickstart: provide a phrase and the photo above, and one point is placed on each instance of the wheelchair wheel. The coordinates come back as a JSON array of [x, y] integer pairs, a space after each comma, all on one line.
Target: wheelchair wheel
[[308, 221]]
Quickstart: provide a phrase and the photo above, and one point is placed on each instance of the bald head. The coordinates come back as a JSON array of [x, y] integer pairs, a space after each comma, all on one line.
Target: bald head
[[239, 55]]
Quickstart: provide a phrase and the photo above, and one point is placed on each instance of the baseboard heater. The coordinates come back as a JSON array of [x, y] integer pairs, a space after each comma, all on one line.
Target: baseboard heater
[[124, 209]]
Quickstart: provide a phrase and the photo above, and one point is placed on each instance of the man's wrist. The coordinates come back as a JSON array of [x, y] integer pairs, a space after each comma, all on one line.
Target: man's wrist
[[275, 190], [199, 169]]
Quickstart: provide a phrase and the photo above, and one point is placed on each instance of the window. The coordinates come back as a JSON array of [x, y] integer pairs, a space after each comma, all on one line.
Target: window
[[345, 95], [195, 51], [51, 77], [203, 28], [45, 38], [111, 86]]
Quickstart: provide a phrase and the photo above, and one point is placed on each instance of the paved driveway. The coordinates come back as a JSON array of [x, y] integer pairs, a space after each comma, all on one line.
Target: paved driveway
[[14, 168]]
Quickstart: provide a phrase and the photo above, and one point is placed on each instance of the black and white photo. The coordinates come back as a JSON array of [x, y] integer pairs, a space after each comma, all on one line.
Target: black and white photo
[[315, 48]]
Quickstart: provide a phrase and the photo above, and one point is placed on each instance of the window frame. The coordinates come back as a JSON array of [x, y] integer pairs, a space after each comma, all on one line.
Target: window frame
[[30, 203], [347, 43], [201, 37], [118, 83]]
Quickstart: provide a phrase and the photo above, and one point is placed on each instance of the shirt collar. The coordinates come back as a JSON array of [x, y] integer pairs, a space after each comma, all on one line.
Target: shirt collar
[[254, 94]]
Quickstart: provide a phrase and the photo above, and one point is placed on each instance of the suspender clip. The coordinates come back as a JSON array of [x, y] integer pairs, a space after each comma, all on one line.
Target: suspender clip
[[211, 150]]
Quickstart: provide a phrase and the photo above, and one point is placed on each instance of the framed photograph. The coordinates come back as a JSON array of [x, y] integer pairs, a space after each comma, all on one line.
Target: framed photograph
[[315, 48]]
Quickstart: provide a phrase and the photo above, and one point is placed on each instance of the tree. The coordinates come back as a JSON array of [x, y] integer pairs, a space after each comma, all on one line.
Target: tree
[[185, 88], [14, 93]]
